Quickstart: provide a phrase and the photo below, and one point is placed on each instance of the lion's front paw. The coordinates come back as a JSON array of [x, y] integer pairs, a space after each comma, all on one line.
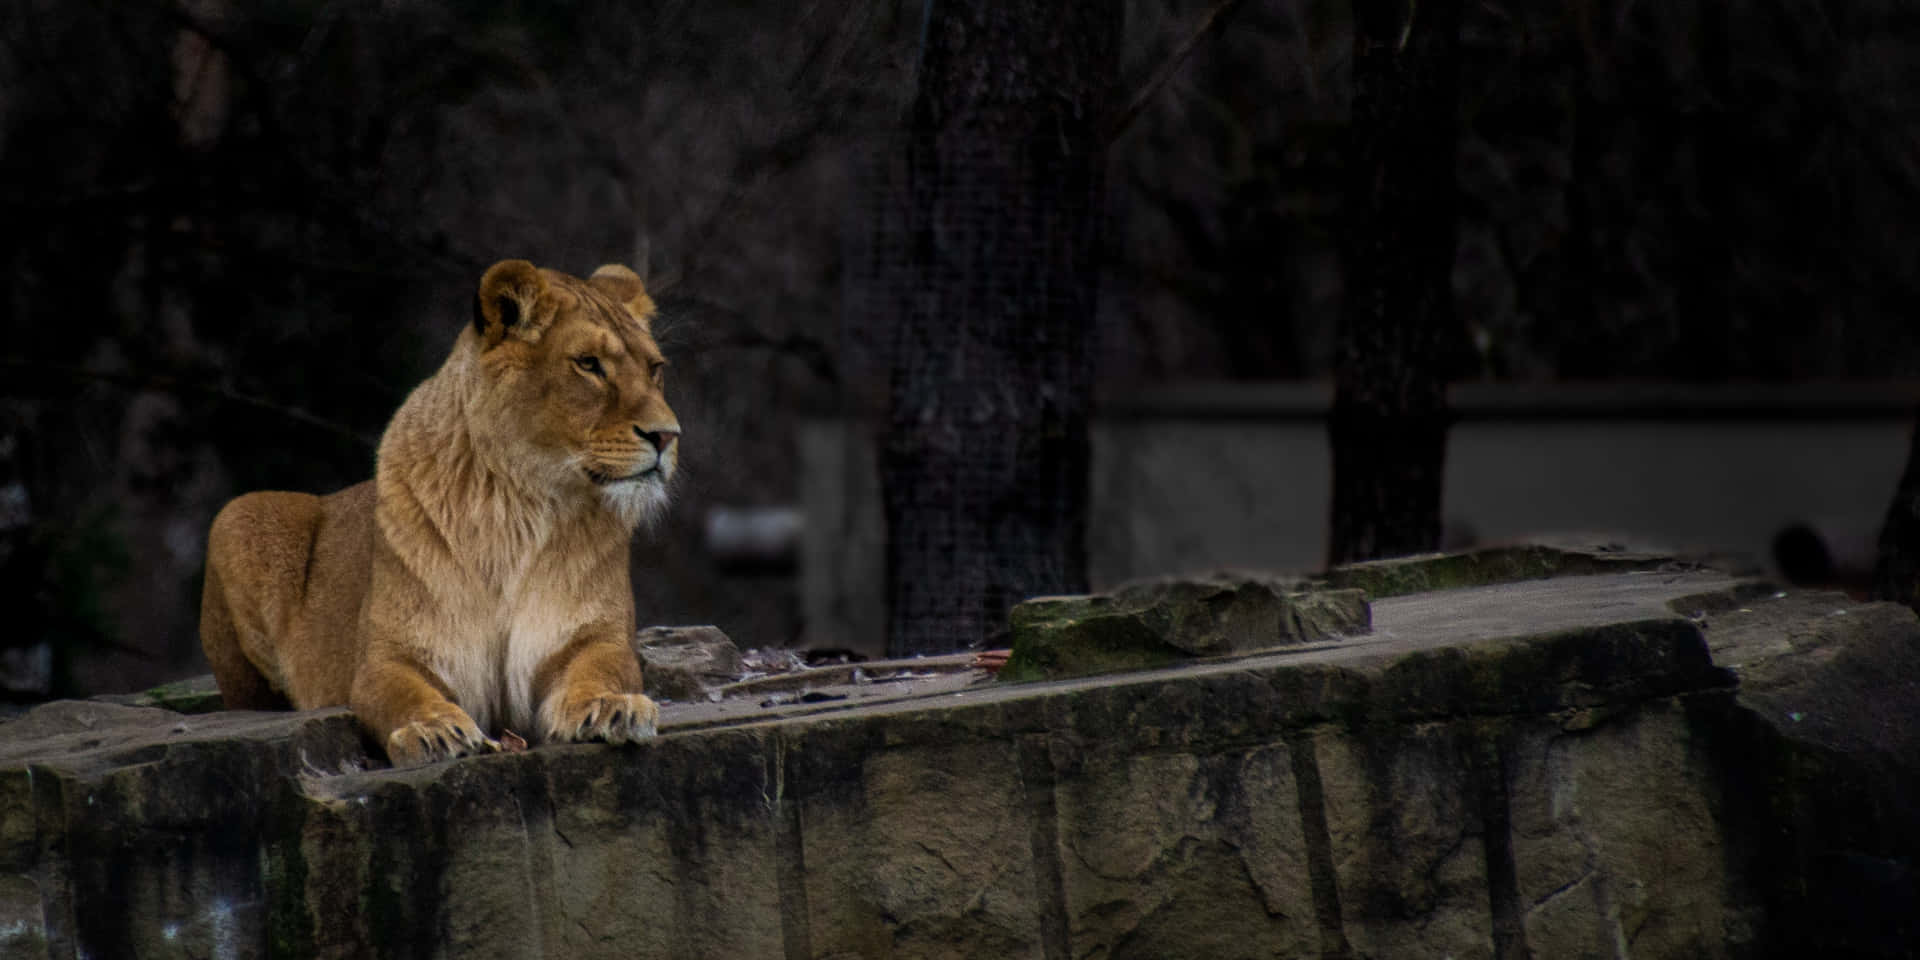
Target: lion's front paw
[[613, 717], [442, 735]]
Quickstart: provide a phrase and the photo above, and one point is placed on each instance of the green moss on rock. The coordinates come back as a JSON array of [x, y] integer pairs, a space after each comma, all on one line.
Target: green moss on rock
[[1426, 572], [1156, 623], [198, 695], [192, 695]]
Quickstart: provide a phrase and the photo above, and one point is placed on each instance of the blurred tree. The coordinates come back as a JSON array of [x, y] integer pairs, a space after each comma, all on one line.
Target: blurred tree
[[984, 463], [1689, 191], [1225, 193], [1388, 427], [1591, 125], [1896, 573]]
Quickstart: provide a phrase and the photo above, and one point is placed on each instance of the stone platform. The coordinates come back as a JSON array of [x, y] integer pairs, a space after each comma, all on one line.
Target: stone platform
[[1662, 763]]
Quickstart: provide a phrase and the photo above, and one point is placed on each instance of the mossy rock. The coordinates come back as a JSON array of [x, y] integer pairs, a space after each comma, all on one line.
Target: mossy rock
[[1426, 572], [1157, 623], [192, 695]]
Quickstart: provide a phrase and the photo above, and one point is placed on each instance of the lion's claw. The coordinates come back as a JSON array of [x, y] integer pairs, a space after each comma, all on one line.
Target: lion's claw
[[614, 718], [442, 736]]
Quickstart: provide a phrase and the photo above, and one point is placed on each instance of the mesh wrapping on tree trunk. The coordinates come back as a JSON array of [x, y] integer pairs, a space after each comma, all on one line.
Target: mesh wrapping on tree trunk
[[1389, 423], [989, 267]]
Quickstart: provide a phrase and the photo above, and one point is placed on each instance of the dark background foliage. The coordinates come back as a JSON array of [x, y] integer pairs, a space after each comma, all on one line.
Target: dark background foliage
[[235, 235]]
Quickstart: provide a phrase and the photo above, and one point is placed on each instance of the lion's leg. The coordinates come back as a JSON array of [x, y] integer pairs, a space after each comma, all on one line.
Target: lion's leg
[[257, 550], [408, 710], [590, 690], [242, 685]]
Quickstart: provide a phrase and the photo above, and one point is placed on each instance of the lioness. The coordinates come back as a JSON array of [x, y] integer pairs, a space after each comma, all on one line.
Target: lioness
[[479, 582]]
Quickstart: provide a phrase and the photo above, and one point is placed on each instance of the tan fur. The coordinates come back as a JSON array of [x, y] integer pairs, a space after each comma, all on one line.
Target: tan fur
[[479, 582]]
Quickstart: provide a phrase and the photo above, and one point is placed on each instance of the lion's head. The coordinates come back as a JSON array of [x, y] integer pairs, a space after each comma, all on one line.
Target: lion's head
[[572, 385]]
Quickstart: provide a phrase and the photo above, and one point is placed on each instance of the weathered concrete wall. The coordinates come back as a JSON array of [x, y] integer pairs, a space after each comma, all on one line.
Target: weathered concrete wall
[[1713, 469], [1554, 769]]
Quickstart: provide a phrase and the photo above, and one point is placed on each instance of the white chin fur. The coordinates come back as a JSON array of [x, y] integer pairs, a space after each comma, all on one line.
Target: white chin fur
[[637, 501]]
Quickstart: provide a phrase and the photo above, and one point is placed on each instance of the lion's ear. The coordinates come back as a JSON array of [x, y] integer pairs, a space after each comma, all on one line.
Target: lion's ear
[[509, 293], [627, 289]]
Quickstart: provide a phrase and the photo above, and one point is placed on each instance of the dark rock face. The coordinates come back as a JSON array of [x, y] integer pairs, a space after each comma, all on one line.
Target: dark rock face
[[1649, 765], [131, 831], [1155, 623], [1830, 697]]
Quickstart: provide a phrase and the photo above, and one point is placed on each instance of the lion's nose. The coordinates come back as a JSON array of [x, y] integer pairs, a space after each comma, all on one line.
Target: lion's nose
[[661, 439]]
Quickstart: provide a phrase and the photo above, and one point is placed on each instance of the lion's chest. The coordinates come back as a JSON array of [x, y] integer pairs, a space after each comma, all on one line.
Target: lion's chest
[[492, 675]]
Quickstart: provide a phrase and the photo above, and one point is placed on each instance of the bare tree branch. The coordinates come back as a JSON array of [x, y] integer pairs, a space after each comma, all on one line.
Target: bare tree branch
[[180, 386], [1214, 18]]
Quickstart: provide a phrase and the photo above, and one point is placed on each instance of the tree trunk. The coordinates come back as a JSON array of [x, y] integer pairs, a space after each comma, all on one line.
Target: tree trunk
[[1388, 428], [984, 463], [1708, 346], [1896, 574], [1583, 348]]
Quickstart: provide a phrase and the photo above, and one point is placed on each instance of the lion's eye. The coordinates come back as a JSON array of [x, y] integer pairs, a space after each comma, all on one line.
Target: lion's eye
[[659, 374], [590, 365]]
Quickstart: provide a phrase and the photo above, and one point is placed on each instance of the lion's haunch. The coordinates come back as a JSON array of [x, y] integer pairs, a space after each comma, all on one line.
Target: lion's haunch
[[478, 583]]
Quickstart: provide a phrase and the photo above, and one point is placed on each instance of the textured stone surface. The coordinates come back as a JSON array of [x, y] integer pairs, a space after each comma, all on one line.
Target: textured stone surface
[[680, 663], [1184, 855], [142, 829], [1155, 623], [1617, 838], [1646, 765], [921, 849]]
